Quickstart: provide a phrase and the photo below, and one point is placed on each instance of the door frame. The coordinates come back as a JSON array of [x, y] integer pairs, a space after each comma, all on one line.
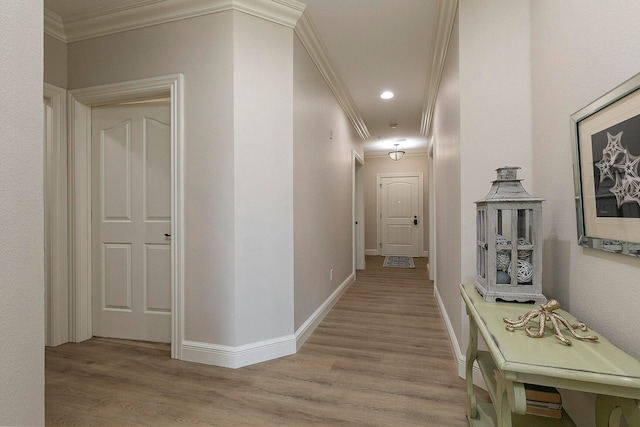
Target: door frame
[[431, 265], [56, 235], [358, 206], [80, 103], [418, 175]]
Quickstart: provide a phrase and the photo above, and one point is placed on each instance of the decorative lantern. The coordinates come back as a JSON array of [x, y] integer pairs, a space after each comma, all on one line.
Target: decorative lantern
[[509, 242]]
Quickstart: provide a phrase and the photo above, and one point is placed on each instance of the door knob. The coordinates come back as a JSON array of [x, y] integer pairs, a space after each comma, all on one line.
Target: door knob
[[167, 235]]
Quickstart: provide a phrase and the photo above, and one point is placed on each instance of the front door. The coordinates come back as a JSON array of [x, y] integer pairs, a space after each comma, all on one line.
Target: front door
[[131, 221], [400, 211]]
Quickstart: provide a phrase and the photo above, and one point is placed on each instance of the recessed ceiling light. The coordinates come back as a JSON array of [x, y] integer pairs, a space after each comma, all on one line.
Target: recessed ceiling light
[[387, 94]]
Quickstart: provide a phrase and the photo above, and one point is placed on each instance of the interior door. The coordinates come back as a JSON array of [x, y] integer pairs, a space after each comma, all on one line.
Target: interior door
[[400, 222], [131, 221]]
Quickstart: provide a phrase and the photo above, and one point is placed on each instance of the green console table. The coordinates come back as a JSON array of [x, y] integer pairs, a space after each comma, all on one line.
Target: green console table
[[514, 359]]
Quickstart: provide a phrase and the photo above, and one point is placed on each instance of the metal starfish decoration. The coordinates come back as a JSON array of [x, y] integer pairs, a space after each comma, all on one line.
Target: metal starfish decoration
[[544, 314]]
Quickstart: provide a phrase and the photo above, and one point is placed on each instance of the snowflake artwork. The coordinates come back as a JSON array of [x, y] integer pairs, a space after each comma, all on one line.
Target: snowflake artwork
[[617, 168]]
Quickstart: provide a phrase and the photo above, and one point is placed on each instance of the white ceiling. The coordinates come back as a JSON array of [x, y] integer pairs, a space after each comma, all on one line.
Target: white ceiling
[[375, 45], [381, 45]]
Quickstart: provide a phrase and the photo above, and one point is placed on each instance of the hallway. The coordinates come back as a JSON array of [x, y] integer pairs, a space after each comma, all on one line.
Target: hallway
[[381, 357]]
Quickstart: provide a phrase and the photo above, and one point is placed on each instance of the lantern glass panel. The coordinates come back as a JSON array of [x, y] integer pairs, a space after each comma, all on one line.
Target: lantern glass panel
[[525, 246], [503, 247], [504, 224], [481, 230]]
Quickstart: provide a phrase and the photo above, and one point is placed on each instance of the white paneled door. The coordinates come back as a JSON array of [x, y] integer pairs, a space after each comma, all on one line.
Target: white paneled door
[[131, 221], [400, 215]]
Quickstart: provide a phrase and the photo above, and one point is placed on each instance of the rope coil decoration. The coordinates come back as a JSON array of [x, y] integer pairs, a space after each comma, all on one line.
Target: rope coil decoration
[[503, 260], [525, 271]]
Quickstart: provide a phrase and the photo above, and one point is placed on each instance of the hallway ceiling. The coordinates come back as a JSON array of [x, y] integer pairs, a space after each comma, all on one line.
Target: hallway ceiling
[[375, 45]]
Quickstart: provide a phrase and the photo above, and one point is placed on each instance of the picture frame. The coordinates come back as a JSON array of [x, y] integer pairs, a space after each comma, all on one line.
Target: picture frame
[[606, 166]]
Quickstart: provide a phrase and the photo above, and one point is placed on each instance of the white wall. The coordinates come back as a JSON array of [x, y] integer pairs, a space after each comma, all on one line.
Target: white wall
[[524, 68], [482, 122], [383, 164], [495, 106], [446, 165], [21, 215], [580, 51], [322, 188]]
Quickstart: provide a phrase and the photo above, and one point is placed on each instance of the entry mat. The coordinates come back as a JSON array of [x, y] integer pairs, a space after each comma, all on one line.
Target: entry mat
[[398, 262]]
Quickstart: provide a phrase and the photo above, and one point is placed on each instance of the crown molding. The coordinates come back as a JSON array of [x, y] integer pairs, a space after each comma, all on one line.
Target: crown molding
[[312, 42], [283, 12], [145, 13], [53, 25], [442, 34]]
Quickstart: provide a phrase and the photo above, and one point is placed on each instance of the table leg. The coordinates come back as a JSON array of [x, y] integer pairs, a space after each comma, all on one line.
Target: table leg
[[503, 409], [611, 410], [472, 354]]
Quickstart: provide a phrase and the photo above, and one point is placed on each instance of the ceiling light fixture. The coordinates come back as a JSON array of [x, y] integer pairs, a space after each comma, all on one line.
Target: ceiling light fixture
[[396, 155], [387, 94]]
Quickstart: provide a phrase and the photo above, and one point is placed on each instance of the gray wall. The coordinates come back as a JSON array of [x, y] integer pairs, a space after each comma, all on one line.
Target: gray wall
[[207, 65], [322, 174], [21, 215], [238, 162], [259, 172], [55, 61]]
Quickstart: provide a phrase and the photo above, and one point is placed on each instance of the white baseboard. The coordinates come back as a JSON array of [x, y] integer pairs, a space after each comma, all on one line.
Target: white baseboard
[[377, 252], [248, 354], [237, 357], [306, 329], [459, 357]]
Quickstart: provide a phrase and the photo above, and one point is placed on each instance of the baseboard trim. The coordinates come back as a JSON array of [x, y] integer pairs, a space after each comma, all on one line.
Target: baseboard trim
[[237, 357], [261, 351], [459, 358], [374, 252], [306, 329]]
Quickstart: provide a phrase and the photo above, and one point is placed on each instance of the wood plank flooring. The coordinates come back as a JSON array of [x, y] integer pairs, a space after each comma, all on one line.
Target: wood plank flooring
[[381, 357]]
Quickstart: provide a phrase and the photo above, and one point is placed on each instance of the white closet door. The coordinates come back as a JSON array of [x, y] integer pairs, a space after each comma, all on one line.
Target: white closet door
[[131, 221]]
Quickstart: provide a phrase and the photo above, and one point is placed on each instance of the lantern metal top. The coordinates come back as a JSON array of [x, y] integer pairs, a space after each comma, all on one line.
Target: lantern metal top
[[507, 187]]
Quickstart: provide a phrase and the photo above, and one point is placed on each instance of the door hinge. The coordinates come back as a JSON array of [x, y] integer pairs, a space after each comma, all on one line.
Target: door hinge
[[380, 244]]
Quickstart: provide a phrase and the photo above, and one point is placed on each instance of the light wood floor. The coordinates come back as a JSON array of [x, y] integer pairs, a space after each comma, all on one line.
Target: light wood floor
[[381, 357]]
